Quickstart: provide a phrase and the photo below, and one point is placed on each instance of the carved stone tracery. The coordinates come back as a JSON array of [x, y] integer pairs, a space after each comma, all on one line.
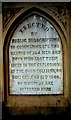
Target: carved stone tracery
[[59, 11], [8, 14]]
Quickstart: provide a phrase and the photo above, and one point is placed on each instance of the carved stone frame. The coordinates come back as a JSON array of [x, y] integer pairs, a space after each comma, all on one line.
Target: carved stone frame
[[34, 104]]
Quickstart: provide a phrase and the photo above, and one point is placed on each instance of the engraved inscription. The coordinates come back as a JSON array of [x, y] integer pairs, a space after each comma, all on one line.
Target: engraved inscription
[[35, 59]]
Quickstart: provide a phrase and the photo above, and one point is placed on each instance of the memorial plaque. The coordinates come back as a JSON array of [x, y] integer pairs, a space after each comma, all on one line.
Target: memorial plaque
[[35, 58]]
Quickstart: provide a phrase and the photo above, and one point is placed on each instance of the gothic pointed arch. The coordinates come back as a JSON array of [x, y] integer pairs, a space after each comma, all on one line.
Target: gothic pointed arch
[[12, 29]]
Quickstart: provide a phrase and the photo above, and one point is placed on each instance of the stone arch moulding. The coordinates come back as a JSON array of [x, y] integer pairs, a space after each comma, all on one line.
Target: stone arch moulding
[[49, 100]]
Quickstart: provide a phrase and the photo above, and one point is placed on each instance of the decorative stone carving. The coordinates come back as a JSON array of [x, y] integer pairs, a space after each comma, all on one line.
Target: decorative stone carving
[[60, 12], [8, 14]]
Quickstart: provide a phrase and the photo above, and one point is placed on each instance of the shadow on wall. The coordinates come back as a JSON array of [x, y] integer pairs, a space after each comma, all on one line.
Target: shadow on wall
[[53, 113]]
